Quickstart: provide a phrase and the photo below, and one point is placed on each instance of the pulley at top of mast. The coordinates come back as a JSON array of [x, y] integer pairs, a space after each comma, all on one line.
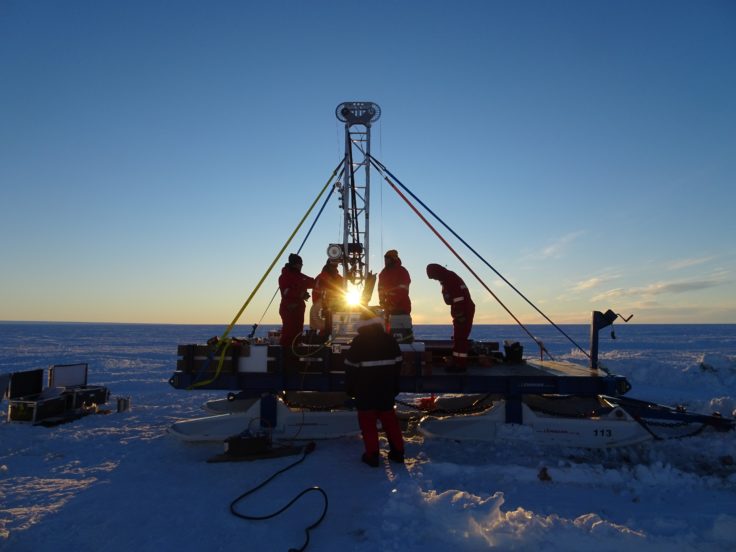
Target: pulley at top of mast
[[358, 113]]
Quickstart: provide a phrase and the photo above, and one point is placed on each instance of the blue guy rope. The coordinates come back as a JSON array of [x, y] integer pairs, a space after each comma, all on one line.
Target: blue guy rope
[[407, 190]]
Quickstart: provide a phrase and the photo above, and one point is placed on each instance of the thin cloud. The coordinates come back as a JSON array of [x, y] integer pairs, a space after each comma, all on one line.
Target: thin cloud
[[557, 248], [686, 263], [588, 284], [679, 287], [611, 293], [594, 282], [661, 288]]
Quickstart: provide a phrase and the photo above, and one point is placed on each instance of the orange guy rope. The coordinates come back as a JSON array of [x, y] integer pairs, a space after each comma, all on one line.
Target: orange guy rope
[[444, 241]]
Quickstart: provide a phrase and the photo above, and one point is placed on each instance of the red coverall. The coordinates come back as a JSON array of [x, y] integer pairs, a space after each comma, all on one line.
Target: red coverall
[[293, 285], [372, 367], [462, 310], [329, 288], [393, 289]]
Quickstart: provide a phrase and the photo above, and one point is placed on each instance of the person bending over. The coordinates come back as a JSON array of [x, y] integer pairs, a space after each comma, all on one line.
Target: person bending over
[[462, 309]]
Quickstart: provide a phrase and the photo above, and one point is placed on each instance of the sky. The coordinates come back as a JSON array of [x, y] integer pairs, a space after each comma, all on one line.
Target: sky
[[156, 156]]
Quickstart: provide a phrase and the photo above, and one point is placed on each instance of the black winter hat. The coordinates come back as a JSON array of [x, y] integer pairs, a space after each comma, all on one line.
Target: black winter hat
[[435, 271], [295, 259]]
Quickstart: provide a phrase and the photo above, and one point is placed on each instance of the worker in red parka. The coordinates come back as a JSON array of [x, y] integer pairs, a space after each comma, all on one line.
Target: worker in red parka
[[328, 295], [393, 286], [462, 310], [372, 367], [293, 286]]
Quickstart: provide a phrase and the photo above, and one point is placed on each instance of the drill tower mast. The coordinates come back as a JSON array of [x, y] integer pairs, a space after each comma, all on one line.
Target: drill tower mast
[[355, 191]]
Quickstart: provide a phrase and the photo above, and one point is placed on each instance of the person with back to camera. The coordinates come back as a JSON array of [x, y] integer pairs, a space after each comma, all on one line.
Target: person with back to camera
[[393, 286], [462, 309], [372, 366], [293, 286], [328, 295]]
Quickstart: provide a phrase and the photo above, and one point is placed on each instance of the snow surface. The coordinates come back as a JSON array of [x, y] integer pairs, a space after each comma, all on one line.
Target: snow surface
[[119, 482]]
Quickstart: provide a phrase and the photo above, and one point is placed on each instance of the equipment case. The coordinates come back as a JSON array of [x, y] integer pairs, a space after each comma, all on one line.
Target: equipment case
[[29, 402], [66, 393], [73, 379]]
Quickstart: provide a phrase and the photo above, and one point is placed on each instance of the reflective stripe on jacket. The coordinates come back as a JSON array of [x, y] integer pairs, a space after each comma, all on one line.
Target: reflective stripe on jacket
[[372, 367]]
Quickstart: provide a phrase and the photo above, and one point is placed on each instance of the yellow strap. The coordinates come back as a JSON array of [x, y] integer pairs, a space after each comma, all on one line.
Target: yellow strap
[[279, 254], [227, 342], [224, 340]]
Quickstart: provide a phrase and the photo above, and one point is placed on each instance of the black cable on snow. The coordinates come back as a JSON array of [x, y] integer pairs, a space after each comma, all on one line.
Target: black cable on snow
[[307, 450]]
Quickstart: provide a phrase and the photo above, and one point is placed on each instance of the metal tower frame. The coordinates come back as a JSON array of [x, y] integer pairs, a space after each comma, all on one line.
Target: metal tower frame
[[355, 188]]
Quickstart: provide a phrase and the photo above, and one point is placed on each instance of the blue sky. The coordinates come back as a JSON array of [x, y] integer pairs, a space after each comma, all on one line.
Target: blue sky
[[154, 156]]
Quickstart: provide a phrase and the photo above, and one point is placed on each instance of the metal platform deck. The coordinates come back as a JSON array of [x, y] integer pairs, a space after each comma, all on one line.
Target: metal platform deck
[[421, 373]]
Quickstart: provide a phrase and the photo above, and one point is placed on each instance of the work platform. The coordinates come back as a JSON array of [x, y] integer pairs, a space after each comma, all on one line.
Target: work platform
[[261, 367], [252, 370]]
